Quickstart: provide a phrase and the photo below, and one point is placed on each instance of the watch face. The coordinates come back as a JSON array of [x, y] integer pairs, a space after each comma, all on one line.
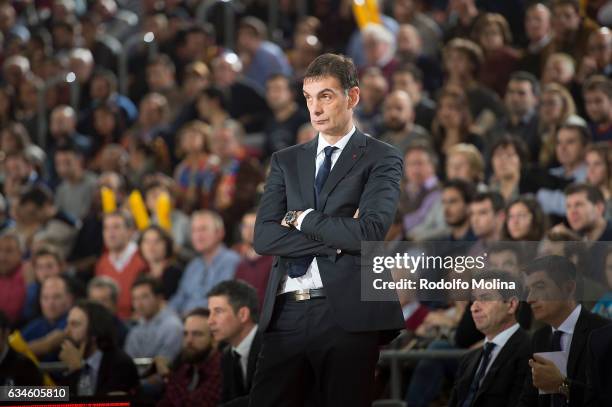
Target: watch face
[[289, 217]]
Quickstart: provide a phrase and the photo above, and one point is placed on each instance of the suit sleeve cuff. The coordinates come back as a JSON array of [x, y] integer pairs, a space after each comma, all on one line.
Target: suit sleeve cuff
[[300, 218]]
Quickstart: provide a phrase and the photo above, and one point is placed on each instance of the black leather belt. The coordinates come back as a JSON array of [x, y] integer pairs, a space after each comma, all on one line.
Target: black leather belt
[[304, 295]]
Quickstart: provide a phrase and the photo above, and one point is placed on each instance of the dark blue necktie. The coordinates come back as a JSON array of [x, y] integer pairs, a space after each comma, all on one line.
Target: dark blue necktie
[[298, 267], [480, 373], [556, 400]]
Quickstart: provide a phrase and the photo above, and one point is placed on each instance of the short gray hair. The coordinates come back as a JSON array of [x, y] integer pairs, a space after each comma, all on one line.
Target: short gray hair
[[105, 282]]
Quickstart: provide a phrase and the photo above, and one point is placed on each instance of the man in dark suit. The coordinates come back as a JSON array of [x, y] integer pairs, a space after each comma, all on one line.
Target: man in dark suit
[[96, 366], [551, 281], [233, 320], [494, 375], [599, 374], [322, 199]]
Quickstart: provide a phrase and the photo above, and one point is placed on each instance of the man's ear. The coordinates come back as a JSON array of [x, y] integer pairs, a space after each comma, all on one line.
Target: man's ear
[[353, 97]]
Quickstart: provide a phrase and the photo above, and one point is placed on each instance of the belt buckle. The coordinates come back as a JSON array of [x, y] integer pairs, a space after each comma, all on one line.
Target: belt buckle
[[302, 295]]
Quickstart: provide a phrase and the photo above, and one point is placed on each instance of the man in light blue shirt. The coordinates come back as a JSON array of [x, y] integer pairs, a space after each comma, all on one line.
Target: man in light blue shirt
[[214, 264]]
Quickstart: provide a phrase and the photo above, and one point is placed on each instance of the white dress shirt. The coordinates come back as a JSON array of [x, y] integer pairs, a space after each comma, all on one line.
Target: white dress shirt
[[567, 327], [312, 278], [243, 349], [499, 341]]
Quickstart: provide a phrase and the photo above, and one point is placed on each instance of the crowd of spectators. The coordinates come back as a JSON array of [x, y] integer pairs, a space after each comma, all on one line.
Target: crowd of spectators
[[502, 111]]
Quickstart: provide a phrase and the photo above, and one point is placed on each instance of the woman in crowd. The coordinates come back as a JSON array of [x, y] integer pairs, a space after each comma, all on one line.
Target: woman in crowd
[[452, 123], [157, 249], [556, 105], [599, 172], [525, 220], [465, 162], [492, 33]]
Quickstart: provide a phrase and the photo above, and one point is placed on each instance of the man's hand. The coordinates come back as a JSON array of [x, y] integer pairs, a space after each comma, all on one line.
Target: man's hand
[[161, 365], [71, 355], [546, 376]]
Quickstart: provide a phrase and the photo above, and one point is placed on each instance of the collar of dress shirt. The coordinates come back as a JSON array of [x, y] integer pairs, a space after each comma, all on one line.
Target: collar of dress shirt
[[95, 360], [501, 338], [340, 144], [245, 346], [568, 326], [123, 258]]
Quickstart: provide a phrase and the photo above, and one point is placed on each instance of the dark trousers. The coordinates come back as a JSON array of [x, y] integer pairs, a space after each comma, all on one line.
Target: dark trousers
[[307, 360]]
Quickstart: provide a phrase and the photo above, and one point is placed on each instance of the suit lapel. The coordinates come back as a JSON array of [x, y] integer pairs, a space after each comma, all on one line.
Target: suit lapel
[[578, 343], [348, 158], [306, 172], [502, 358], [252, 363]]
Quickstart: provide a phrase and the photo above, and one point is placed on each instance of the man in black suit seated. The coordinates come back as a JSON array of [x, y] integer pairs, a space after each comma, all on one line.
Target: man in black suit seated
[[599, 374], [494, 375], [15, 369], [96, 366], [233, 319], [551, 281]]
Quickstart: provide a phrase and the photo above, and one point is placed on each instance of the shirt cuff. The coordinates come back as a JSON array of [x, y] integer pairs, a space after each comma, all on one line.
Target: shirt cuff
[[300, 218]]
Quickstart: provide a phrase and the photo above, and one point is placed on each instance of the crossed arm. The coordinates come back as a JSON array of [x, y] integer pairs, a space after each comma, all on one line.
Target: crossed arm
[[322, 234]]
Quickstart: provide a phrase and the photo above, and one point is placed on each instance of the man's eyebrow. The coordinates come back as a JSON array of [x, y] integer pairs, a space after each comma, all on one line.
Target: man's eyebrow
[[322, 91]]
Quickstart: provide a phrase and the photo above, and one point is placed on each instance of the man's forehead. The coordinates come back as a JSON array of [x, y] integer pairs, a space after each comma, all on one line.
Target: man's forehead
[[318, 83]]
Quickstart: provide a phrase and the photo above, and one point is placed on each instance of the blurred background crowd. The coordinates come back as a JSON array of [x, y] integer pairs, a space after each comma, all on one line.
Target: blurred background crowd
[[135, 137]]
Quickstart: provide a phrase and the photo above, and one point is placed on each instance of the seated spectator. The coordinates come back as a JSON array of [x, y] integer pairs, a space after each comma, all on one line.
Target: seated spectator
[[410, 79], [379, 46], [105, 290], [157, 250], [462, 62], [552, 282], [457, 194], [262, 58], [20, 173], [487, 218], [253, 268], [570, 145], [560, 68], [161, 79], [483, 375], [122, 261], [46, 262], [15, 369], [96, 365], [410, 51], [453, 123], [195, 379], [233, 320], [239, 176], [373, 89], [286, 118], [397, 126], [38, 219], [158, 332], [492, 33], [521, 100], [12, 283], [598, 58], [556, 106], [246, 102], [213, 264], [420, 211], [62, 130], [599, 172], [538, 28], [597, 91], [571, 30], [465, 162], [525, 220], [77, 185], [195, 174], [46, 333]]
